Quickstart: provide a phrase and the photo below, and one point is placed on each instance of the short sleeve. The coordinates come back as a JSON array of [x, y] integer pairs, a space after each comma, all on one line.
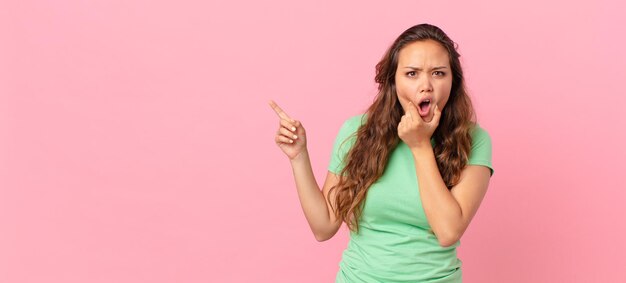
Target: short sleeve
[[343, 143], [480, 153]]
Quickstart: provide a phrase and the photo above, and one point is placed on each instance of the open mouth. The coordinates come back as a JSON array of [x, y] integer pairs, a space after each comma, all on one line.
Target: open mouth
[[424, 107]]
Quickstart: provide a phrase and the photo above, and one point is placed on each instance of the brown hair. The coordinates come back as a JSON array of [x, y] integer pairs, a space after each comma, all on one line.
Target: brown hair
[[378, 136]]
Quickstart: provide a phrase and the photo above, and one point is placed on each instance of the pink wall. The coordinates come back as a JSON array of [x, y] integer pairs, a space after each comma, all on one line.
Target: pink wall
[[136, 144]]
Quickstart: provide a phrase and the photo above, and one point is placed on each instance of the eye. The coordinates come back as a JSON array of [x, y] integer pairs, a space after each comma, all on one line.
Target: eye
[[410, 74], [439, 73]]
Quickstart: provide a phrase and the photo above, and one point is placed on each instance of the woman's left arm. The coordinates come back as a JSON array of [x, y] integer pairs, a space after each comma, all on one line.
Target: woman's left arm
[[449, 212]]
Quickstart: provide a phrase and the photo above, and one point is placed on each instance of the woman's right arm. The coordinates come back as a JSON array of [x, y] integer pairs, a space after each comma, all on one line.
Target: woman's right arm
[[291, 138], [315, 204]]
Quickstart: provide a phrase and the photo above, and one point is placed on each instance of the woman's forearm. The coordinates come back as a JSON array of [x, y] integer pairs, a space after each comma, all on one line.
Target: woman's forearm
[[311, 197], [442, 210]]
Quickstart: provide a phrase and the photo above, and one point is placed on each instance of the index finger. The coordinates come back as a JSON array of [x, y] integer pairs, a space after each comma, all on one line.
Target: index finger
[[279, 111]]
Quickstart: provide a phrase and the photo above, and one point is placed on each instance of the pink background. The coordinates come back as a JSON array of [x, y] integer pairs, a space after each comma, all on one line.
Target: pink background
[[136, 143]]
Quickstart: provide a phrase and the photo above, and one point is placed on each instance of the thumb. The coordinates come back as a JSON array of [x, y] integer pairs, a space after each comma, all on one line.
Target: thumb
[[412, 111]]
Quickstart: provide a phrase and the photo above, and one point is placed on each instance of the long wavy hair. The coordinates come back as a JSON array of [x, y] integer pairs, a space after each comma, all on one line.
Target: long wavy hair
[[377, 137]]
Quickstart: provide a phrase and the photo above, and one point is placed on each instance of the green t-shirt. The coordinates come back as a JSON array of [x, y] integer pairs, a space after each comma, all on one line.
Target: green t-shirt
[[395, 243]]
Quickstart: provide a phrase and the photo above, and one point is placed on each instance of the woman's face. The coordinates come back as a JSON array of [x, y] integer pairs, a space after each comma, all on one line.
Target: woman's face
[[423, 76]]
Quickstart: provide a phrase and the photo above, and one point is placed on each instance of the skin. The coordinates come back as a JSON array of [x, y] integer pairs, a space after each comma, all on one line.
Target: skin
[[423, 71], [291, 139]]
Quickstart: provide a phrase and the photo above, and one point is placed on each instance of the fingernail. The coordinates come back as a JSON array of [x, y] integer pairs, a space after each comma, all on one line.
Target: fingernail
[[290, 141], [293, 128], [295, 137]]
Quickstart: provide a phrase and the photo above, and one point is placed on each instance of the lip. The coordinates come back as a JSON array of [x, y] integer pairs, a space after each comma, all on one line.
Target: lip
[[429, 108], [425, 98]]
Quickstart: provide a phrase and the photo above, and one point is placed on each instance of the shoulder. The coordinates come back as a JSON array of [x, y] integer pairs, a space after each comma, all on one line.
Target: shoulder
[[480, 135], [355, 121], [344, 141], [481, 151], [352, 124], [347, 132]]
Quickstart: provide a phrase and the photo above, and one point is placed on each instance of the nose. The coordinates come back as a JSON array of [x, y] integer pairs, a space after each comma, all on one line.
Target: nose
[[425, 85]]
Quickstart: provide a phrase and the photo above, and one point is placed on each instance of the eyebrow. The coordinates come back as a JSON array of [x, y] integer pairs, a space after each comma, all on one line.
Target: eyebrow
[[419, 69]]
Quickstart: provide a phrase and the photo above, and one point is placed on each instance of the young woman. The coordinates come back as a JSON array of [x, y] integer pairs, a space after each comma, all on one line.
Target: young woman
[[408, 175]]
